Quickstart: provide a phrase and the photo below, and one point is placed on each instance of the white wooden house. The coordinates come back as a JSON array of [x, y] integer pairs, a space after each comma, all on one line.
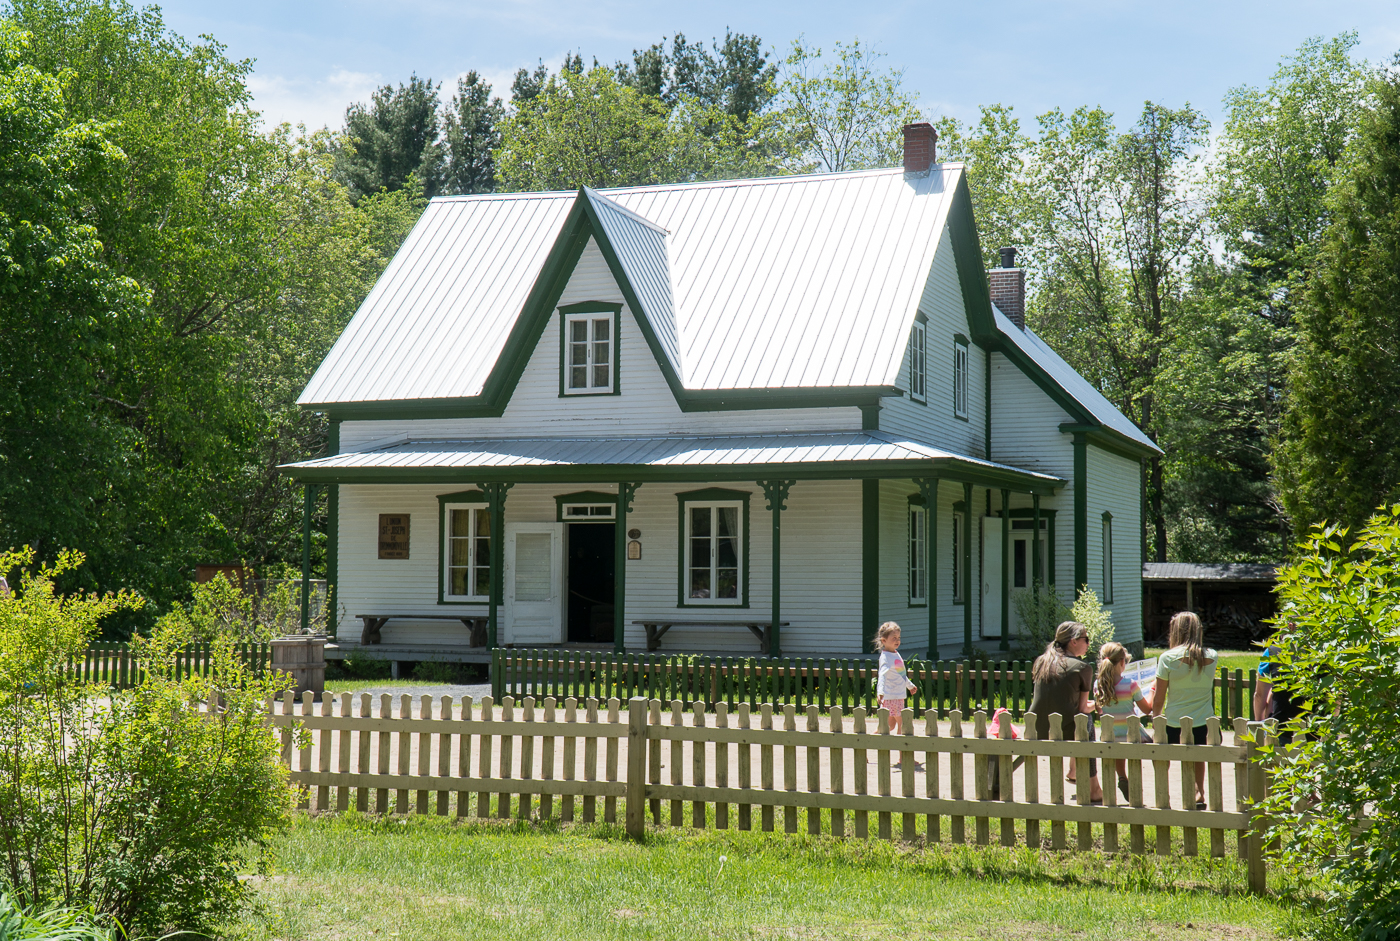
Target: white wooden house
[[585, 417]]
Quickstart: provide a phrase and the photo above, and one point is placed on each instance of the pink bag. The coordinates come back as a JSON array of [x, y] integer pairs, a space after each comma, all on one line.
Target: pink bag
[[994, 727]]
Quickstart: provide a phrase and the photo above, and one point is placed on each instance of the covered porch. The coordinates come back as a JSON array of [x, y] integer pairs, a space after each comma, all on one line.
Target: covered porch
[[802, 543]]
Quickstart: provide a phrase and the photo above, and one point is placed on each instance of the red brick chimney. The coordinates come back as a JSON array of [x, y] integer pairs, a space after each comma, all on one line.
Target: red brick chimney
[[1007, 285], [920, 142]]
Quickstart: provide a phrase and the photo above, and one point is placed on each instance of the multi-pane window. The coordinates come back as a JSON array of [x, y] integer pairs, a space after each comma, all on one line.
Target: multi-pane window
[[918, 557], [468, 552], [713, 558], [1107, 559], [918, 372], [959, 534], [588, 352], [586, 511], [960, 379]]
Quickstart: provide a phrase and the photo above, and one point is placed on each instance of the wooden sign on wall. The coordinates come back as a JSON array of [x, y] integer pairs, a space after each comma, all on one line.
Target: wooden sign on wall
[[393, 535]]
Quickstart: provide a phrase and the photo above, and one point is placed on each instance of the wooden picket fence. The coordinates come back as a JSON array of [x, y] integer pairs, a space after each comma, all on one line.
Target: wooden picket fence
[[115, 665], [558, 761], [944, 685]]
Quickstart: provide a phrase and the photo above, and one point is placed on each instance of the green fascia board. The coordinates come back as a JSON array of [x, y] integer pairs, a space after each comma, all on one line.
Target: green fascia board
[[1107, 439], [972, 275], [947, 468]]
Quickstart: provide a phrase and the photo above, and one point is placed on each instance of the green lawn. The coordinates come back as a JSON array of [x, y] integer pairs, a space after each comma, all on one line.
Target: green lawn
[[1232, 660], [429, 879]]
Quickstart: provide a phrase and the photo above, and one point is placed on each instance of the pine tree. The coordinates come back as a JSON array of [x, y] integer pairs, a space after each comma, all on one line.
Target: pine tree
[[395, 137], [1339, 456], [471, 132]]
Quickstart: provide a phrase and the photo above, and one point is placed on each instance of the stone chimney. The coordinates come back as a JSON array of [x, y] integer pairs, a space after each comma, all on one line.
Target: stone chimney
[[920, 142], [1007, 284]]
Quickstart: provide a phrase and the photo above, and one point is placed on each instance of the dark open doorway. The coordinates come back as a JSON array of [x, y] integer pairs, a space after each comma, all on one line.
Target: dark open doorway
[[591, 568]]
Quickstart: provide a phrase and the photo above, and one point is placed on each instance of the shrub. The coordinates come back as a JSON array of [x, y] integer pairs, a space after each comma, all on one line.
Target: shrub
[[54, 924], [219, 608], [1087, 610], [1338, 643], [1041, 609], [138, 804]]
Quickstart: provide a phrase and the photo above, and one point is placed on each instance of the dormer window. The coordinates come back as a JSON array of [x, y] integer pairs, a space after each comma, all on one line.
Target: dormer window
[[918, 370], [589, 352]]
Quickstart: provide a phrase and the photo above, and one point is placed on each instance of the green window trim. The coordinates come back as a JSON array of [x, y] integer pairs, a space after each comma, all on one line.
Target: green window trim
[[914, 521], [961, 380], [590, 307], [918, 363], [957, 524], [1107, 550], [585, 496], [711, 495], [444, 501]]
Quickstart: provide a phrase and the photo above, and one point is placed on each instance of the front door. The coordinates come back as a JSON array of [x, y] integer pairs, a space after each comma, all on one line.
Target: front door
[[534, 579], [592, 561]]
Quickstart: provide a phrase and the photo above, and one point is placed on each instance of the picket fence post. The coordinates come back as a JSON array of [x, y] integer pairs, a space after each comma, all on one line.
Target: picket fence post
[[636, 767]]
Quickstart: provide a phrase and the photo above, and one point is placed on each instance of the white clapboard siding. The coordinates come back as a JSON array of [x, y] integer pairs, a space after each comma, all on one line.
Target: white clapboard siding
[[894, 566], [1026, 424], [1115, 486], [821, 564], [645, 405], [934, 422]]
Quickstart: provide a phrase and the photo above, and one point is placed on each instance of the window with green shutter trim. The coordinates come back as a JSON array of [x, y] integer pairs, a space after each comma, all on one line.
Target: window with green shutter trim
[[467, 555], [918, 557], [960, 379], [918, 369], [1108, 558]]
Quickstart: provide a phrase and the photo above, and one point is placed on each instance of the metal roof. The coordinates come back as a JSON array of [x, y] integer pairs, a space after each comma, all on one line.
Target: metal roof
[[1209, 571], [1067, 378], [789, 282], [660, 451]]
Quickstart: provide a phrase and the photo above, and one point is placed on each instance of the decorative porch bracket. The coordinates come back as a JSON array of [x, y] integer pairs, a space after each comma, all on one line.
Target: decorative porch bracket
[[1005, 564], [625, 494], [776, 492], [307, 511], [928, 489], [496, 505]]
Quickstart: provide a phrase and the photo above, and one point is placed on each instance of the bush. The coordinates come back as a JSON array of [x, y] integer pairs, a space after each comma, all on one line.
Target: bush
[[1338, 641], [138, 804], [1087, 610], [1041, 610], [218, 608], [55, 924]]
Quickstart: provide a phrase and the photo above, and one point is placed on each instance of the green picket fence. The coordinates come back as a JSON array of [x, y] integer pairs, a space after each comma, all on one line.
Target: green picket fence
[[114, 664], [823, 682]]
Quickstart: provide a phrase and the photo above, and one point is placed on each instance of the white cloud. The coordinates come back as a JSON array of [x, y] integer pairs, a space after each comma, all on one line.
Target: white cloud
[[313, 102]]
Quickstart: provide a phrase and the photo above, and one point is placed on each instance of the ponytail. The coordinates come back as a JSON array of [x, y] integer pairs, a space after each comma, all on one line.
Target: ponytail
[[1110, 655]]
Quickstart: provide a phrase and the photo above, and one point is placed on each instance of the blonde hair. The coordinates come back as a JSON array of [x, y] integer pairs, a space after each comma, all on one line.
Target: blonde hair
[[1110, 655], [1053, 661], [1186, 631], [884, 630]]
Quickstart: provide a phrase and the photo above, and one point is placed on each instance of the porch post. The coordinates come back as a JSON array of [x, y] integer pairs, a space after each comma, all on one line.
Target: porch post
[[967, 571], [1005, 560], [308, 508], [1035, 547], [496, 505], [625, 494], [776, 491], [928, 487]]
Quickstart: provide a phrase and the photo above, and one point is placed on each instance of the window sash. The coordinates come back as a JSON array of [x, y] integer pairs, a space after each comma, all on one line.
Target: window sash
[[589, 348], [960, 380], [918, 557], [467, 554], [918, 366], [714, 561]]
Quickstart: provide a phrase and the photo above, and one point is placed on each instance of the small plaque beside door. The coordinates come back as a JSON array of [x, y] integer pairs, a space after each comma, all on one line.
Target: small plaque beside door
[[393, 535]]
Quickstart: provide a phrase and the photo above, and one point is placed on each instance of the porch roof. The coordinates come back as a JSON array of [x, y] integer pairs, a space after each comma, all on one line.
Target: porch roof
[[813, 455]]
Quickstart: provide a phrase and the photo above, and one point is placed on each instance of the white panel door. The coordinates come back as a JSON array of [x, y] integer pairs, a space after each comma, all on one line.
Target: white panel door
[[991, 576], [1023, 573], [534, 583]]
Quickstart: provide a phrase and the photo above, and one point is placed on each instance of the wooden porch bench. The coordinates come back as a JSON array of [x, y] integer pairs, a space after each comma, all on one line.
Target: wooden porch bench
[[657, 628], [475, 623]]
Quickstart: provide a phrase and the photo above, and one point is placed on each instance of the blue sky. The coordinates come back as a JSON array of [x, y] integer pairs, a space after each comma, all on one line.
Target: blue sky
[[313, 57]]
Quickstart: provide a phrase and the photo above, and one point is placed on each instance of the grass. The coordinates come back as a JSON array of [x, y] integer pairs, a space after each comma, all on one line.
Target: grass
[[428, 879]]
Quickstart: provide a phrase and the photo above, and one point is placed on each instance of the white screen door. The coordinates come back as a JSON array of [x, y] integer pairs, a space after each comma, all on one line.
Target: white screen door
[[991, 576], [534, 583]]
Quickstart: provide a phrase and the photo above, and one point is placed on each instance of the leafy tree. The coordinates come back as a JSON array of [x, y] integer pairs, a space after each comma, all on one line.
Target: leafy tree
[[1119, 235], [997, 154], [1339, 453], [843, 112], [471, 131], [1337, 657], [736, 77], [394, 138]]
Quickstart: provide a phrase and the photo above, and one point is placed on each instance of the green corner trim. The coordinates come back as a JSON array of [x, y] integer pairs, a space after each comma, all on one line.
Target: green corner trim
[[711, 495], [1081, 512]]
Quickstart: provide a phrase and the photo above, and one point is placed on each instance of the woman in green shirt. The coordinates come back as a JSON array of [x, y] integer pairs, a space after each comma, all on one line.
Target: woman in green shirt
[[1186, 686]]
